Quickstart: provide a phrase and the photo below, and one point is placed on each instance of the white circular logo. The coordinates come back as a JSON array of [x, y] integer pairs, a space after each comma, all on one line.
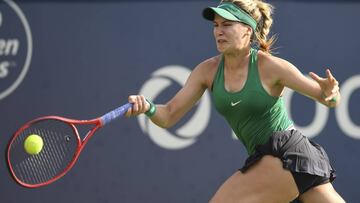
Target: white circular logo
[[320, 118], [15, 47], [187, 134], [0, 19], [343, 112]]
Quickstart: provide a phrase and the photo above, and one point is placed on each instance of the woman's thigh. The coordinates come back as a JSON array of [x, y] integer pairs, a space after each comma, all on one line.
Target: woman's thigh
[[265, 181], [321, 194]]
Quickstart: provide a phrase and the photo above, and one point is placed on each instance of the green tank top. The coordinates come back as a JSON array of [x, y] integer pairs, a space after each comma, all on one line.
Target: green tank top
[[252, 113]]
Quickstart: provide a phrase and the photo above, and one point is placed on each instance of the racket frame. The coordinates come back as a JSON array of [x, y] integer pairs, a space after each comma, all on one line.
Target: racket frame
[[80, 144], [98, 122]]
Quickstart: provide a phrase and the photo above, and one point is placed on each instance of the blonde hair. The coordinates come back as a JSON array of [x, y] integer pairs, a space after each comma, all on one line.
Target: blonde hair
[[262, 14]]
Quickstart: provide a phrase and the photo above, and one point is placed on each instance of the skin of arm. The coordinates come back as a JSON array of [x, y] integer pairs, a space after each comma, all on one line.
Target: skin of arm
[[168, 114], [285, 74]]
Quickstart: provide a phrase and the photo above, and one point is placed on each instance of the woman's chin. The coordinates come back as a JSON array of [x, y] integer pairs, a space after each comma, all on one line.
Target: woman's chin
[[221, 49]]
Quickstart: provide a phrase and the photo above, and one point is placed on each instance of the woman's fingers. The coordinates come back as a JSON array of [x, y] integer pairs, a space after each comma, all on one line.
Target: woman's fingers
[[329, 85], [328, 74], [140, 105], [331, 78], [315, 77]]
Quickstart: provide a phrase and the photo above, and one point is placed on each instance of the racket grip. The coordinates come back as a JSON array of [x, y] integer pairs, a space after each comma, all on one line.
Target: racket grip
[[108, 117]]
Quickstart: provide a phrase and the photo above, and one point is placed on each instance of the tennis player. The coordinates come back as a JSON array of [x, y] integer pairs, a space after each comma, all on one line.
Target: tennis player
[[247, 85]]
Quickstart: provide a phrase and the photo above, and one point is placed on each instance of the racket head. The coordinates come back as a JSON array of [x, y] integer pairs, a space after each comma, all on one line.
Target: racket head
[[62, 146]]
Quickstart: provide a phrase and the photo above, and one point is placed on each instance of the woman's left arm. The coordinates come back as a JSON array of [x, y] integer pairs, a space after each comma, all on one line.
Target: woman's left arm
[[325, 90]]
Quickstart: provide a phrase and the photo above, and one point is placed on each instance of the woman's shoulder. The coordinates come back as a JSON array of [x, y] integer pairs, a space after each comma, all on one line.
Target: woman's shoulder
[[272, 61], [207, 69], [267, 58], [275, 68], [212, 62]]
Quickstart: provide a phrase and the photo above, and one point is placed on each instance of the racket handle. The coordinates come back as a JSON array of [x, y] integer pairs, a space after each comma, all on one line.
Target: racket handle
[[107, 118]]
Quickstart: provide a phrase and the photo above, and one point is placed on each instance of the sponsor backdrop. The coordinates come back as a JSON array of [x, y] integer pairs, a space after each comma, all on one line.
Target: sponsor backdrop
[[81, 59]]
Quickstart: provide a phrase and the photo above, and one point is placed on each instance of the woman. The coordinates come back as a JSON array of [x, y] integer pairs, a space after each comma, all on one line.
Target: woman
[[247, 85]]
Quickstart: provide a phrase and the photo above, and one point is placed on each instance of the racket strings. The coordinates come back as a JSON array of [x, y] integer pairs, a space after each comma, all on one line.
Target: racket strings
[[60, 145]]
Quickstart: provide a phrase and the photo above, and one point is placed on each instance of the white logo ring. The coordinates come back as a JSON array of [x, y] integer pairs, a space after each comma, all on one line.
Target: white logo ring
[[25, 23], [185, 135]]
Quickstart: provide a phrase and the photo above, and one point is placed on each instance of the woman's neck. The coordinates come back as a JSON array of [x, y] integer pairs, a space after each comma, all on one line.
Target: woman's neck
[[237, 59]]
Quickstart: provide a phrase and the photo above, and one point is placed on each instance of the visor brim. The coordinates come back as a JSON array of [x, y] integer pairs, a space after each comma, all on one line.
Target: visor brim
[[209, 14]]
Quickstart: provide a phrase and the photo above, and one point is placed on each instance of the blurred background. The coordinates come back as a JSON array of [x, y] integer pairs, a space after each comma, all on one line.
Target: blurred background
[[81, 59]]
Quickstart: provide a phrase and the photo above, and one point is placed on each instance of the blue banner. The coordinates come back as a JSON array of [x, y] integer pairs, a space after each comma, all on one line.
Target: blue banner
[[81, 60]]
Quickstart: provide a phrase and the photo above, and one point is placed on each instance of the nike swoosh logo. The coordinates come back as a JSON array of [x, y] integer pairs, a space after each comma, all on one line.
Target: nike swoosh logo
[[236, 103]]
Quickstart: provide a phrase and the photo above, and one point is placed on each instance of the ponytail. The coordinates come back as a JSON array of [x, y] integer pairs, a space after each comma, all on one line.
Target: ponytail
[[264, 26]]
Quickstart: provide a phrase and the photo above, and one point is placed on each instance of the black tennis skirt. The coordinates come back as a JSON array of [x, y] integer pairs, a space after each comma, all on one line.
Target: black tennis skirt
[[297, 153]]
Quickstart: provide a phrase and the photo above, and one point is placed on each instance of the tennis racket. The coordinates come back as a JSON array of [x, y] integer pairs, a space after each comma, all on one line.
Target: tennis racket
[[62, 146]]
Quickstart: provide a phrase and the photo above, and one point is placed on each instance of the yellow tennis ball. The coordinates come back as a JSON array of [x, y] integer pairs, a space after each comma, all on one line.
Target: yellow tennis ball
[[33, 144]]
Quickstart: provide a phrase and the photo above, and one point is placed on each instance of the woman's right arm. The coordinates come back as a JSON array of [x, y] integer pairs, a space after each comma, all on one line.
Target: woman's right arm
[[168, 114]]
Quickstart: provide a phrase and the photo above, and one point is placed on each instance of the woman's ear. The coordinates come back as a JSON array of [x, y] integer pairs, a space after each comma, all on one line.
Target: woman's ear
[[249, 30]]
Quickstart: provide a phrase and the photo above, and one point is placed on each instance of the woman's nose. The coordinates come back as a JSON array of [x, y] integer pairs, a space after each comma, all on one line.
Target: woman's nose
[[218, 31]]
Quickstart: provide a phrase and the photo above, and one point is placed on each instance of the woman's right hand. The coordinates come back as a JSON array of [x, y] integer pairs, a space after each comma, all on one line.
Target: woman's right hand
[[140, 105]]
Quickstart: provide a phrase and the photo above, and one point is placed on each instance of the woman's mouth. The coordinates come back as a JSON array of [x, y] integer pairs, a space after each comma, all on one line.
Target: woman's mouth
[[221, 41]]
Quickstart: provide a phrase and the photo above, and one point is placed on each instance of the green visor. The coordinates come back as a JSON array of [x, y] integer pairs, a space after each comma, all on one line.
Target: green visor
[[230, 12]]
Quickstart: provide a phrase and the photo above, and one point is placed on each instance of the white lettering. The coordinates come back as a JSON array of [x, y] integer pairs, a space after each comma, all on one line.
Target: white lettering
[[342, 112], [319, 121], [321, 115], [1, 19], [9, 47], [4, 69]]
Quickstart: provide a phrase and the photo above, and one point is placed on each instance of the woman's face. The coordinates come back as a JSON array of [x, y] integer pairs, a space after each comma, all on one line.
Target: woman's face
[[230, 35]]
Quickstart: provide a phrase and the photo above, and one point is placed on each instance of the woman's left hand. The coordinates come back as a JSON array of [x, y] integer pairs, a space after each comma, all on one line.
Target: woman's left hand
[[328, 85]]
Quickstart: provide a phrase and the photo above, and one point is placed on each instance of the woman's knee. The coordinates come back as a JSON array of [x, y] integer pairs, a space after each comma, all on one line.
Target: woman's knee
[[266, 180]]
